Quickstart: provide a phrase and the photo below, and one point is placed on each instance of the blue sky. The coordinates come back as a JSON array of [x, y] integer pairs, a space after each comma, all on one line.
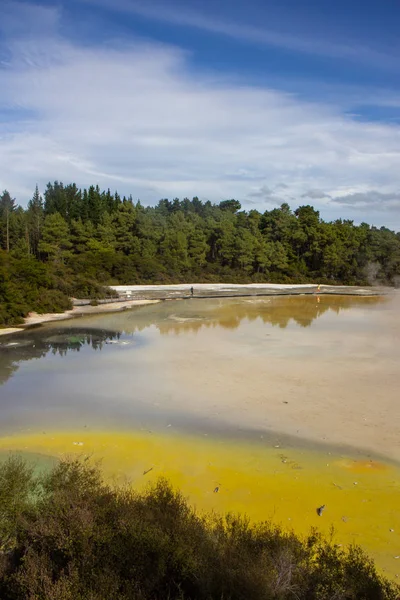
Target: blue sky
[[263, 101]]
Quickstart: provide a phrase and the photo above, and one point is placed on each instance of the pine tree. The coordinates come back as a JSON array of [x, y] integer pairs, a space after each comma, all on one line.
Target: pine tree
[[7, 206], [55, 239], [55, 200], [35, 218]]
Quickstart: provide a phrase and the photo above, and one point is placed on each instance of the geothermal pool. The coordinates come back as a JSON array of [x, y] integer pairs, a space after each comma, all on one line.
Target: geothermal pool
[[284, 404]]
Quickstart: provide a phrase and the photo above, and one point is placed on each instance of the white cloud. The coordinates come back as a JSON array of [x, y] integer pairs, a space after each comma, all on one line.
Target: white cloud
[[138, 118]]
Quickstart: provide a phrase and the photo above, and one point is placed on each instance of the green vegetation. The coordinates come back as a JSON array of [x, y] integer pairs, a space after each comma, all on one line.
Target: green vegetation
[[67, 535], [77, 242]]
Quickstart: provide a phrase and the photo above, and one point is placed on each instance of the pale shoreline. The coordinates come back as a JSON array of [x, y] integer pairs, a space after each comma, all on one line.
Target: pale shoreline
[[36, 319], [140, 295]]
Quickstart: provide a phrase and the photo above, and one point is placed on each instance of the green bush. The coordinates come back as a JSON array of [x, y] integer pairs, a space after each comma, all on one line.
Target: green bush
[[52, 301], [87, 288], [27, 285], [70, 536]]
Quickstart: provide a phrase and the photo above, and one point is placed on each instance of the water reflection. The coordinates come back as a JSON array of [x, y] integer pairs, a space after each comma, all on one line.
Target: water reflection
[[175, 317], [321, 370], [191, 316], [37, 343], [278, 312]]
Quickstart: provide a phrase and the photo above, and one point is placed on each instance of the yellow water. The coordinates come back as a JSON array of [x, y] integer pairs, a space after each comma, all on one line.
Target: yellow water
[[286, 485]]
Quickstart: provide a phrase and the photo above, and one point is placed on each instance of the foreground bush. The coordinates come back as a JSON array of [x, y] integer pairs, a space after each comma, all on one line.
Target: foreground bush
[[69, 536], [27, 285]]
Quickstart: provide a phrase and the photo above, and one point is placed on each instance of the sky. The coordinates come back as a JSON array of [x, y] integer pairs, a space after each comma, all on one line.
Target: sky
[[263, 101]]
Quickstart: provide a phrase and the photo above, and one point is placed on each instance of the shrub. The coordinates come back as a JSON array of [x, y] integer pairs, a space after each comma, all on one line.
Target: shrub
[[52, 301], [70, 536], [87, 288]]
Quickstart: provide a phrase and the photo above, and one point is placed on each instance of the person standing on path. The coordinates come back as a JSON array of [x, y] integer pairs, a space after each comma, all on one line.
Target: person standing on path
[[191, 292]]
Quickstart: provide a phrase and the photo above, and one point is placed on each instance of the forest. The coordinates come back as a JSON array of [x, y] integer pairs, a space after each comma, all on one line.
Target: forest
[[74, 243]]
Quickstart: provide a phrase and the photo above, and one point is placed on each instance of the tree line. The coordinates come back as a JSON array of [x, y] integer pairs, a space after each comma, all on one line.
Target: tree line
[[74, 242]]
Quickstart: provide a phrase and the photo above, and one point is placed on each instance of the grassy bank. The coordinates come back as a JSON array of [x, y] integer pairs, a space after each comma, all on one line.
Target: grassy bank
[[68, 535]]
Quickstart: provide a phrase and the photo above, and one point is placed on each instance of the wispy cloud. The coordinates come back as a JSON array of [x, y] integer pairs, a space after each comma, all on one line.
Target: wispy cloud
[[272, 197], [370, 200], [138, 117], [21, 18], [316, 195], [183, 16]]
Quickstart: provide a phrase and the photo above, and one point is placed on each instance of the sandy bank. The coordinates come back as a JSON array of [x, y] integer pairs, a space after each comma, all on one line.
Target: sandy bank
[[228, 290], [77, 311], [9, 330], [138, 295]]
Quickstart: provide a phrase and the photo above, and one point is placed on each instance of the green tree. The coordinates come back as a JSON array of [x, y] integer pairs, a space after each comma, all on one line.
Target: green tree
[[232, 206], [55, 200], [245, 245], [197, 248], [81, 234], [95, 204], [18, 233], [7, 207], [174, 247], [124, 228], [35, 219], [225, 239], [55, 241]]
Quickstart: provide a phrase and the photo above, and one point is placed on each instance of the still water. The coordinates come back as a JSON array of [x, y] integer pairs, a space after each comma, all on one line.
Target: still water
[[283, 403]]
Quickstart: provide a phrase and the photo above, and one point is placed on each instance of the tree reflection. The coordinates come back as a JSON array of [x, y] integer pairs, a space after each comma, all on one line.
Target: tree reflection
[[175, 318], [37, 344], [278, 312]]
